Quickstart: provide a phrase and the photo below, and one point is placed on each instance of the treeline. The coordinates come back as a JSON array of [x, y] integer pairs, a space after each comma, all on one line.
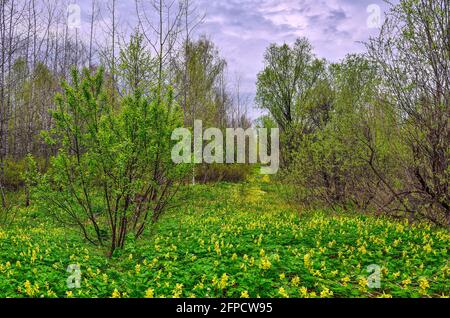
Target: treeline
[[371, 132], [41, 42], [87, 117]]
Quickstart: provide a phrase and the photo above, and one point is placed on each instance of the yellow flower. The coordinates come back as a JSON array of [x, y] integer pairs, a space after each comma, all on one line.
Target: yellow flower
[[244, 294], [178, 290], [223, 281], [396, 275], [363, 282], [116, 293], [427, 248], [362, 250], [69, 294], [406, 282], [399, 228], [51, 293], [217, 248], [304, 292], [307, 260], [138, 268], [295, 281], [234, 257], [28, 288], [262, 253], [282, 276], [326, 293], [150, 293], [283, 292], [423, 284], [265, 263]]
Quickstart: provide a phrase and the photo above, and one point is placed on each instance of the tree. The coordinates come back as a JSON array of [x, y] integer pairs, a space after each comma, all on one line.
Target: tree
[[291, 78], [288, 75], [113, 174], [136, 66], [162, 37], [204, 67]]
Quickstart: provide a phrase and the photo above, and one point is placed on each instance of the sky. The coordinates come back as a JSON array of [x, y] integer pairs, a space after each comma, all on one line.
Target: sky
[[243, 29]]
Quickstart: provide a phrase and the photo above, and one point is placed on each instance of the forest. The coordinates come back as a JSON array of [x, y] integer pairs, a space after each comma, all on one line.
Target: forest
[[92, 204]]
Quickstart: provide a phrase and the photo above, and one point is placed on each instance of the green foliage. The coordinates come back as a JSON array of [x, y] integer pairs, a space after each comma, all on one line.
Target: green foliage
[[286, 82], [413, 41], [113, 173], [234, 241], [14, 170], [198, 80], [136, 67]]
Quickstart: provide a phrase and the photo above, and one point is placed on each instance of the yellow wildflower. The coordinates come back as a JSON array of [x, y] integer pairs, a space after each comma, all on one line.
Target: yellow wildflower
[[307, 260], [265, 263], [363, 282], [304, 292], [116, 293], [326, 293], [149, 293], [423, 284], [245, 294], [427, 248], [283, 292], [295, 281], [345, 280], [178, 290], [406, 282], [223, 281]]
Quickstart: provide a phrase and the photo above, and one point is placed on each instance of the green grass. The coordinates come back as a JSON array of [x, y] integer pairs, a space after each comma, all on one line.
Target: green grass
[[231, 240]]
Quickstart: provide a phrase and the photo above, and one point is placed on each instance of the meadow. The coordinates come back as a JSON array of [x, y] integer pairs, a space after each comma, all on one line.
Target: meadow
[[231, 240]]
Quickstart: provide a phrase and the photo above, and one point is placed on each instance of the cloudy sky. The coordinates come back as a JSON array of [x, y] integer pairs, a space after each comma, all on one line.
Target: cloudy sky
[[243, 29]]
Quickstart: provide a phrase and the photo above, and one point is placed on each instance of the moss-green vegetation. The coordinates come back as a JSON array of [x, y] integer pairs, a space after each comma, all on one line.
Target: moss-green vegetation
[[231, 240]]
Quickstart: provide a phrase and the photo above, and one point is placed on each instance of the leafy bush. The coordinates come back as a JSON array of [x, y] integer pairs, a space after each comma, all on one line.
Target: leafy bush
[[113, 174], [13, 178]]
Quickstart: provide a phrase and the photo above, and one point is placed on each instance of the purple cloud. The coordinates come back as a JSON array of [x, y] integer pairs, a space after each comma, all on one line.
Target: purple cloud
[[242, 29]]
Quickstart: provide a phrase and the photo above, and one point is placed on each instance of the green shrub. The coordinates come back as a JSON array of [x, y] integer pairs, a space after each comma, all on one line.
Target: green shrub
[[13, 178], [223, 172]]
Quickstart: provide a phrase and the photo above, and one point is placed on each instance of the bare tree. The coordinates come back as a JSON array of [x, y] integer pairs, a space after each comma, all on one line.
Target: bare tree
[[413, 55]]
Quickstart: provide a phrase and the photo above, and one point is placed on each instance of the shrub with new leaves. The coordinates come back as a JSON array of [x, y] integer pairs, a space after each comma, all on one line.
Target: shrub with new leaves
[[113, 173]]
